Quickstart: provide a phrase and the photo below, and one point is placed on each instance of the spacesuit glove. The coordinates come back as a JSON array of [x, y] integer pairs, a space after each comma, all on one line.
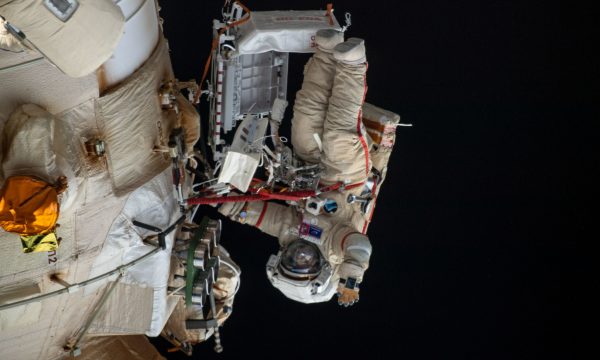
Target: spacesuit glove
[[347, 296]]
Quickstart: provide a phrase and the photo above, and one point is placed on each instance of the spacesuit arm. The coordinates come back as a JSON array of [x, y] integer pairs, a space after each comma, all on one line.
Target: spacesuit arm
[[271, 218], [356, 250]]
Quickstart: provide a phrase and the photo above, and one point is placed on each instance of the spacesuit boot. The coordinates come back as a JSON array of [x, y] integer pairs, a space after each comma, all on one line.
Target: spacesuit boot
[[352, 51], [327, 39]]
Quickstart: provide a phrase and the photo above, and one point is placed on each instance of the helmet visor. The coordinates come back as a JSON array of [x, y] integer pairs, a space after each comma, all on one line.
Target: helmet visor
[[302, 258]]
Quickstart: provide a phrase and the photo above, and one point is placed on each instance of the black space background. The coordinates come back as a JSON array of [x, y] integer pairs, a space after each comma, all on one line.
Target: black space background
[[469, 261]]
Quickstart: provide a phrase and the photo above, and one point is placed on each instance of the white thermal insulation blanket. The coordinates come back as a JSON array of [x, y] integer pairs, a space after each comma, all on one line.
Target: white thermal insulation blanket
[[133, 347], [284, 31], [244, 155], [152, 204], [79, 42], [132, 123]]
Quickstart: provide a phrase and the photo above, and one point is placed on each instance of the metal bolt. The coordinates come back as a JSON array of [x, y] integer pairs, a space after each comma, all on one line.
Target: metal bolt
[[353, 198]]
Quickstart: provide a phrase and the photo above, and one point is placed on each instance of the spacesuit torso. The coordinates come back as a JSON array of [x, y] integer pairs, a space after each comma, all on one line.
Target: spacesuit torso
[[344, 248]]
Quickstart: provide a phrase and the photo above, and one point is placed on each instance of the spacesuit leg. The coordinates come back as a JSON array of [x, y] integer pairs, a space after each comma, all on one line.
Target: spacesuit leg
[[311, 106], [345, 140]]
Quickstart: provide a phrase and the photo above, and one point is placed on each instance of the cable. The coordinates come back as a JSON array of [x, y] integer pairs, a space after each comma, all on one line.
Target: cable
[[76, 287], [215, 43], [264, 195], [202, 183]]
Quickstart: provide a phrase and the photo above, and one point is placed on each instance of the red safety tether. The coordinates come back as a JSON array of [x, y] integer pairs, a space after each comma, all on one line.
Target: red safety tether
[[224, 199], [264, 195]]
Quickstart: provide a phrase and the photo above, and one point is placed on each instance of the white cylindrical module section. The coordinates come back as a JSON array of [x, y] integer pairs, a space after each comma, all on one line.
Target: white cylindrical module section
[[219, 101], [129, 7], [139, 40]]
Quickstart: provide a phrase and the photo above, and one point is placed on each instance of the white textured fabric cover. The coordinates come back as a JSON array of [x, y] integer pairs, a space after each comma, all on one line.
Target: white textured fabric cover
[[78, 46], [133, 123], [153, 204], [70, 112], [284, 31], [244, 154], [134, 347]]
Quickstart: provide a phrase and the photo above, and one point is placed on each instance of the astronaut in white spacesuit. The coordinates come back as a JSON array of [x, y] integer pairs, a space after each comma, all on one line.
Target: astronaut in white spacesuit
[[327, 253]]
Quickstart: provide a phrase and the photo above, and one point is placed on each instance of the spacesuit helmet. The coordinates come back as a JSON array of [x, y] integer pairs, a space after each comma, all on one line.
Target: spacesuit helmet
[[301, 260], [301, 272]]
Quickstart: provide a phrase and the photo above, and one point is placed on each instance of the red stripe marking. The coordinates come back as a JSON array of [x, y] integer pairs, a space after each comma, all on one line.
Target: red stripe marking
[[375, 187], [262, 214], [364, 229], [218, 123], [352, 186], [336, 185], [363, 142], [346, 237]]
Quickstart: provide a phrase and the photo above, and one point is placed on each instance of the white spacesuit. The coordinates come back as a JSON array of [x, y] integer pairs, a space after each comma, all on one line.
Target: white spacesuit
[[322, 254]]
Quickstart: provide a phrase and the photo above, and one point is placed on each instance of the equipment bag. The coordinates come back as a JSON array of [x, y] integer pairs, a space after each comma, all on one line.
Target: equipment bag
[[29, 207]]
